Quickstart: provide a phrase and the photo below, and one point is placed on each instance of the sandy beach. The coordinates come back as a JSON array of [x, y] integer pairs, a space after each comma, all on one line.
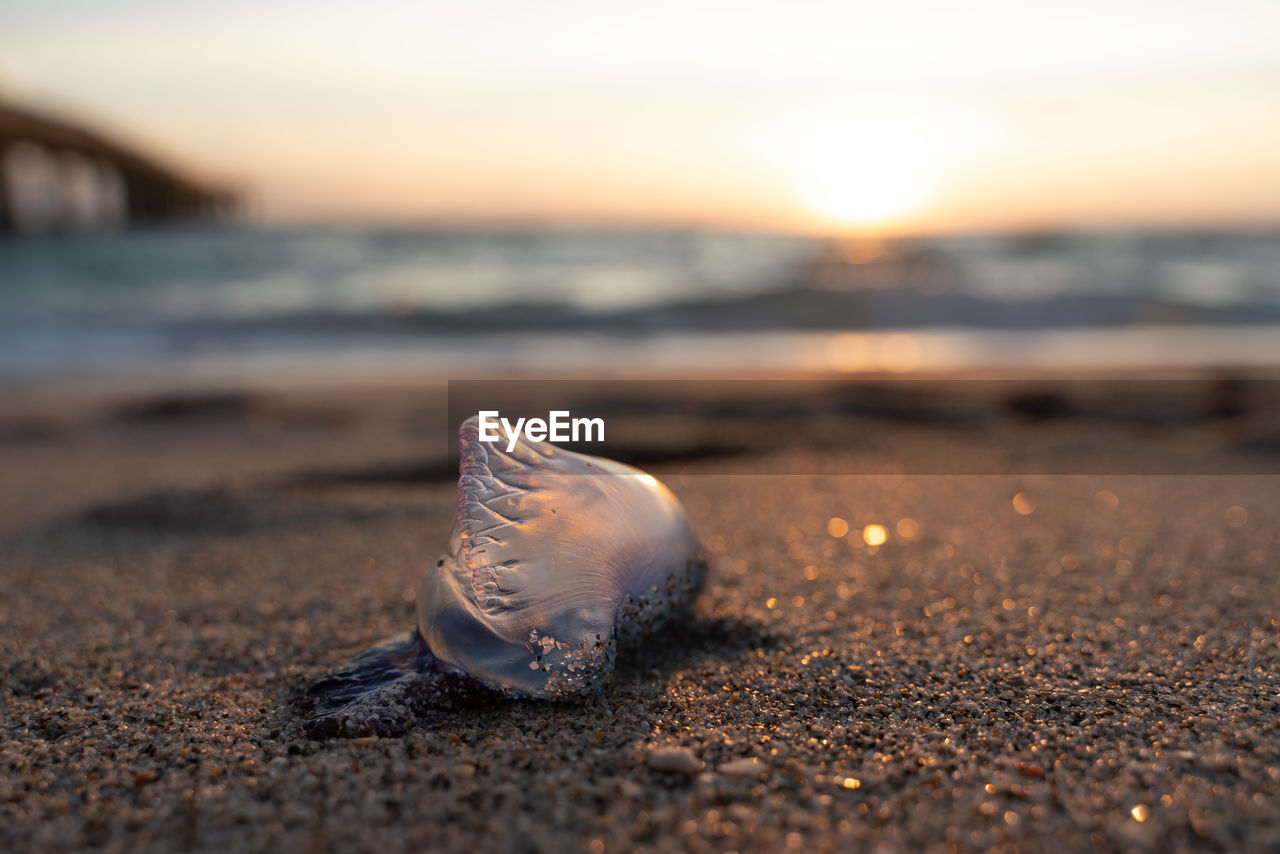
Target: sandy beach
[[1067, 639]]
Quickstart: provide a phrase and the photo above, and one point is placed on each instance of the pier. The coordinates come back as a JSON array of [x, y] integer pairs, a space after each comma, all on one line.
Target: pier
[[58, 176]]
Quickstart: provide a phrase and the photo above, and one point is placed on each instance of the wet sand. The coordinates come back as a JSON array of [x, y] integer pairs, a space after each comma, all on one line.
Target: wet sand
[[1035, 662]]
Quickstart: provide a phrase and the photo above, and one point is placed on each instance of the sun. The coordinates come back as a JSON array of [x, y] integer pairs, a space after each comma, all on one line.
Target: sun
[[862, 168]]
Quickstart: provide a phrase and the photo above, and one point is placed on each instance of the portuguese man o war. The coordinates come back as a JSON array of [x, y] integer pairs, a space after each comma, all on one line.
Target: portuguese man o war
[[554, 560]]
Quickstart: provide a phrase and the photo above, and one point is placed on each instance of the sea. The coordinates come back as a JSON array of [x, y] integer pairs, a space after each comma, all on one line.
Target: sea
[[486, 301]]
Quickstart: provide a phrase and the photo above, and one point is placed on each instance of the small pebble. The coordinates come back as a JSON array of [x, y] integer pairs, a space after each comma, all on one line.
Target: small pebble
[[629, 788], [743, 768], [674, 760]]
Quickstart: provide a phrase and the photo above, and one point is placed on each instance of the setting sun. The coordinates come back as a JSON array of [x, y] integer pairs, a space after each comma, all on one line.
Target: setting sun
[[862, 168]]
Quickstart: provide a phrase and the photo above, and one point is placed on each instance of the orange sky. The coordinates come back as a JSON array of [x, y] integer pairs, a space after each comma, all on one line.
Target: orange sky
[[923, 115]]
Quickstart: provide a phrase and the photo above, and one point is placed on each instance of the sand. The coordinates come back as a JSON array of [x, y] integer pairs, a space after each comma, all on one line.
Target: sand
[[1032, 661]]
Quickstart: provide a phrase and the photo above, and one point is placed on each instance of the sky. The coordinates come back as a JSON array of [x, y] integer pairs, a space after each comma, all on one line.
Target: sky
[[918, 115]]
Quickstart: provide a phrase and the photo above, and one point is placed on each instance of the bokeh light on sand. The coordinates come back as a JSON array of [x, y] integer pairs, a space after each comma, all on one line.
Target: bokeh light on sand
[[875, 535], [1024, 504]]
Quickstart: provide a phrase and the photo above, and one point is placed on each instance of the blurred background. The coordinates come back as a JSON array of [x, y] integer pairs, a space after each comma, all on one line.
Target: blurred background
[[502, 187]]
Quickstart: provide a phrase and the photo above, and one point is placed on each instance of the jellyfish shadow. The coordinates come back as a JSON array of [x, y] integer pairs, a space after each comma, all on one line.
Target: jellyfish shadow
[[398, 685]]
